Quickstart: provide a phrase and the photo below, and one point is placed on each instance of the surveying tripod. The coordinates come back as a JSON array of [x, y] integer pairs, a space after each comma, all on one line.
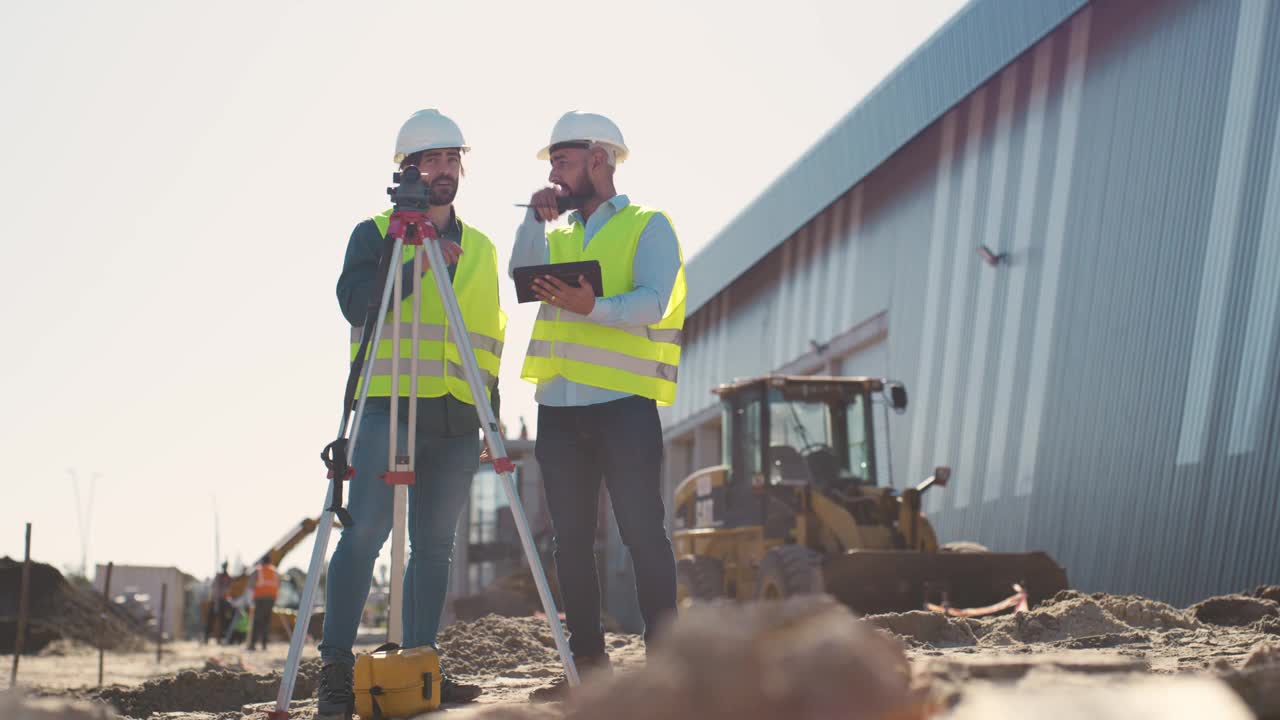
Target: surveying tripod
[[409, 226]]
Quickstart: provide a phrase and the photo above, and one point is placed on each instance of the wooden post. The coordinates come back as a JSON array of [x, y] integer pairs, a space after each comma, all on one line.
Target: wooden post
[[22, 609], [106, 595], [164, 592]]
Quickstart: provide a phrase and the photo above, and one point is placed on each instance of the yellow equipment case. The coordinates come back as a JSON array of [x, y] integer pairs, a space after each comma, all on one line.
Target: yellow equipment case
[[392, 682]]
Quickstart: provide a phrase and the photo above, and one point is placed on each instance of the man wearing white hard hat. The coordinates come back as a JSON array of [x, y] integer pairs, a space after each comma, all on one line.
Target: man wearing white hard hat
[[447, 441], [602, 366]]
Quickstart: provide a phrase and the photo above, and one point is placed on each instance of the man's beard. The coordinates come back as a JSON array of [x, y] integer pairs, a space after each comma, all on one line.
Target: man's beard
[[578, 197], [443, 193]]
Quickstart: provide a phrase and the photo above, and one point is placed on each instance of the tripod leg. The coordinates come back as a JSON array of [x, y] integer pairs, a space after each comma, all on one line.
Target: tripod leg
[[325, 527], [400, 502], [489, 424], [399, 523]]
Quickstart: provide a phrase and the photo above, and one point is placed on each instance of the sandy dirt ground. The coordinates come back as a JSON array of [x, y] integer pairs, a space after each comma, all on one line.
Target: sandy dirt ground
[[801, 660], [509, 657]]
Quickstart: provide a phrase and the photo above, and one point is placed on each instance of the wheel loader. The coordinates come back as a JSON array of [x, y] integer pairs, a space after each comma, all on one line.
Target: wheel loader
[[805, 503]]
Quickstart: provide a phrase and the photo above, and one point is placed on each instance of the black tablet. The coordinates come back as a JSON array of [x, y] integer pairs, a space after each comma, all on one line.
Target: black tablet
[[566, 273]]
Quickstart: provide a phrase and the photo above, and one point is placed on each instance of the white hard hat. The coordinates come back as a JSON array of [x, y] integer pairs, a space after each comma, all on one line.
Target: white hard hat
[[428, 130], [586, 127]]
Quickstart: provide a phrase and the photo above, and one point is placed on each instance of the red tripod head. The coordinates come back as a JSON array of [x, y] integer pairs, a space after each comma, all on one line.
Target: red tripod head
[[409, 220], [413, 226]]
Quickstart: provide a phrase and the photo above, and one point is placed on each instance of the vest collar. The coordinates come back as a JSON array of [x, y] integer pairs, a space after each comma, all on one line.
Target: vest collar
[[617, 202]]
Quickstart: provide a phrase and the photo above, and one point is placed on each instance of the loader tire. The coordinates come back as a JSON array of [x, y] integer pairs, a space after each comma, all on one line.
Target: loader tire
[[787, 571], [699, 579], [964, 546]]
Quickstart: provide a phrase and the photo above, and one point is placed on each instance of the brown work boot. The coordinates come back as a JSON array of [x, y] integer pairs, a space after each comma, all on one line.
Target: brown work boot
[[335, 697], [452, 691], [559, 688]]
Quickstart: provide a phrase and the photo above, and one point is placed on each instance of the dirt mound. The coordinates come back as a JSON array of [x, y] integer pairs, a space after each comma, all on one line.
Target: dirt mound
[[997, 638], [1145, 613], [1268, 592], [1098, 620], [1234, 610], [58, 609], [926, 628], [1066, 616], [1058, 620], [495, 644], [808, 657], [1133, 610], [1267, 626], [215, 690], [1063, 596]]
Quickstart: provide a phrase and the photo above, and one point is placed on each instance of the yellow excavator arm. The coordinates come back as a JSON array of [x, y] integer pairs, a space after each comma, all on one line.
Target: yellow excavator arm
[[276, 552], [291, 539]]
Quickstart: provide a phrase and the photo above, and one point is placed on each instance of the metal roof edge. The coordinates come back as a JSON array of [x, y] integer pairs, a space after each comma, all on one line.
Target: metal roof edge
[[944, 70]]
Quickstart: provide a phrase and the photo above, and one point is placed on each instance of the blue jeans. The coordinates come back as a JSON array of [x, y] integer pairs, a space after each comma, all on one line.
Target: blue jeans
[[619, 442], [444, 467]]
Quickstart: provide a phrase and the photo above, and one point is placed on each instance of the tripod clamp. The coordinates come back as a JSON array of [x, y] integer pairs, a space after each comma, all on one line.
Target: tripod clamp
[[334, 457]]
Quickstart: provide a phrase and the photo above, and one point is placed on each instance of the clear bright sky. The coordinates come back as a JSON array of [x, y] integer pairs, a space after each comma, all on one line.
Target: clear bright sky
[[180, 180]]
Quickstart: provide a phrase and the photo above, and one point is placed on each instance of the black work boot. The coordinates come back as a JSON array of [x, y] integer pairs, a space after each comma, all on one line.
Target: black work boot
[[452, 691], [335, 695], [559, 688]]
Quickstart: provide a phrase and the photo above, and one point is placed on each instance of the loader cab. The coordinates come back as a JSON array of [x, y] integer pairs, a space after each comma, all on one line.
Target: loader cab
[[792, 431], [782, 430]]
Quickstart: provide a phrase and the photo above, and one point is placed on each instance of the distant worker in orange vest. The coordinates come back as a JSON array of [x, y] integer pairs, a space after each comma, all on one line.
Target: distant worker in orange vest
[[266, 585]]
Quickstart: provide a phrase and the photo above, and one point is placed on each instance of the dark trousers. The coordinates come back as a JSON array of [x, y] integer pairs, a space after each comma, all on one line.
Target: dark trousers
[[621, 443], [216, 619], [262, 608], [219, 619]]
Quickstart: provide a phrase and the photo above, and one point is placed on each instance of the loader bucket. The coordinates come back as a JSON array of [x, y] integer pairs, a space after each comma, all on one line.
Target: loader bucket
[[882, 581]]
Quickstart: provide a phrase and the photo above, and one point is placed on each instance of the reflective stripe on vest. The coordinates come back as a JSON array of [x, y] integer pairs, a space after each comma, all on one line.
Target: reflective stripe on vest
[[475, 283], [600, 356], [429, 369], [637, 360], [430, 331], [673, 336]]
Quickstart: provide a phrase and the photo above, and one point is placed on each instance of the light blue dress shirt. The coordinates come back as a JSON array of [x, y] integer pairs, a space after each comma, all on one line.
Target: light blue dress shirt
[[654, 270]]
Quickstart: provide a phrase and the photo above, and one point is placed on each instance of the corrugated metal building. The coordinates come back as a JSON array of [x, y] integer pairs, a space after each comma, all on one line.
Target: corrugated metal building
[[1109, 390]]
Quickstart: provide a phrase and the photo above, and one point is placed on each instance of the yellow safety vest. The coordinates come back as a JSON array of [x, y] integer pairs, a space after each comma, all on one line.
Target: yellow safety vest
[[637, 360], [439, 364]]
